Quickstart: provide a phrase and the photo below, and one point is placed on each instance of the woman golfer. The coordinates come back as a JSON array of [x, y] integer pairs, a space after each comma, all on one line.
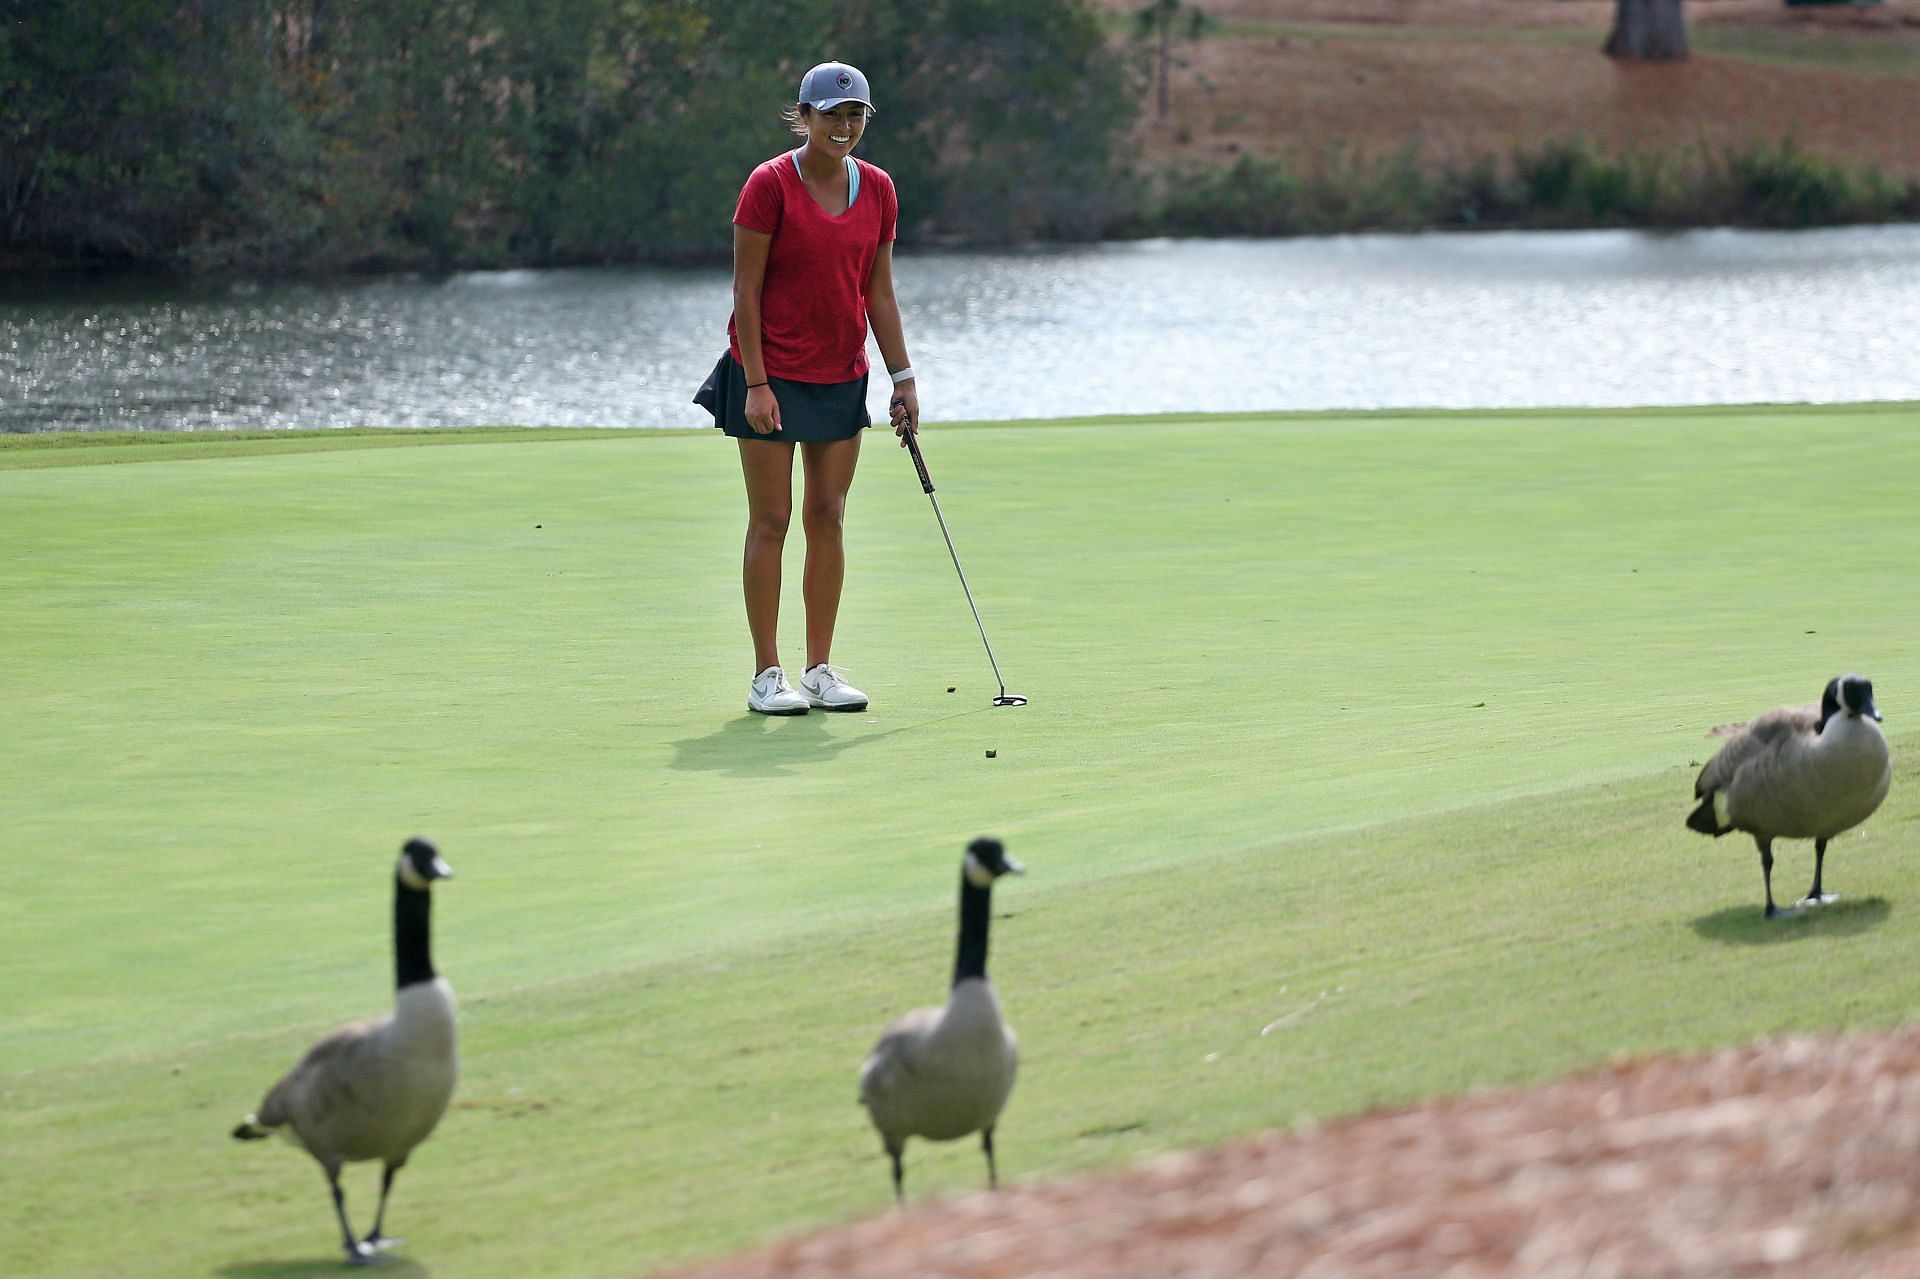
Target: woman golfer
[[812, 268]]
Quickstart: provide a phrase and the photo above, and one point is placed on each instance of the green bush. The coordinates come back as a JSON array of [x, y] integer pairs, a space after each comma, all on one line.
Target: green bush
[[385, 133], [1565, 183], [1785, 186]]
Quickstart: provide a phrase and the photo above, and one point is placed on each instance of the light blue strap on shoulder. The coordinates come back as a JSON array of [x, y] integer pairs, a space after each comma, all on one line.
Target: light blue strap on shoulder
[[853, 176]]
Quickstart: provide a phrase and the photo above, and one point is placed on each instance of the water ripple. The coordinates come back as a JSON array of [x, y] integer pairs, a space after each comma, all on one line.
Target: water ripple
[[1522, 319]]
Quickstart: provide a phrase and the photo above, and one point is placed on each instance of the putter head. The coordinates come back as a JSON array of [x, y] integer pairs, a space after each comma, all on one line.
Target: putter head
[[1009, 699]]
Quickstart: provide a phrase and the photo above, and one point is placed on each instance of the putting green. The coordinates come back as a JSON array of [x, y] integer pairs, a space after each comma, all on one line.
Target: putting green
[[1372, 731]]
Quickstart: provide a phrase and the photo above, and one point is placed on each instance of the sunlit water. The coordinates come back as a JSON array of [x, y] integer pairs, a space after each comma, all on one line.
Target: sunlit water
[[1485, 320]]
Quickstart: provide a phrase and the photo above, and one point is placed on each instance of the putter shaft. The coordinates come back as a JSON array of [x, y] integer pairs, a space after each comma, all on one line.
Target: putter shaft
[[967, 590], [926, 484]]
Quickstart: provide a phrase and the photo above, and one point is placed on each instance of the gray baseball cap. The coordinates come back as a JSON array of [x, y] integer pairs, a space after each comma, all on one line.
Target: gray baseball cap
[[831, 83]]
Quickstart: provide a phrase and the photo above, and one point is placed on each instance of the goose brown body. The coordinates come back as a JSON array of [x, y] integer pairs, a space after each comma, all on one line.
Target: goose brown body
[[942, 1073], [374, 1089], [1805, 772], [1782, 776]]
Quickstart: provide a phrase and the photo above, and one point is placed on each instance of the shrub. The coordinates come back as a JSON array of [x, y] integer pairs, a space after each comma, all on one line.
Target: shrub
[[1565, 183]]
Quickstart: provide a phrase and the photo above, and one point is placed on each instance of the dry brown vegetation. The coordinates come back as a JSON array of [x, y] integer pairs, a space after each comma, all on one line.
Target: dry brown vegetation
[[1465, 77], [1795, 1156]]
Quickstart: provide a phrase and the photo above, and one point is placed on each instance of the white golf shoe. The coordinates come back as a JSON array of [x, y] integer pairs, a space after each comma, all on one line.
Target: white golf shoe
[[824, 688], [772, 695]]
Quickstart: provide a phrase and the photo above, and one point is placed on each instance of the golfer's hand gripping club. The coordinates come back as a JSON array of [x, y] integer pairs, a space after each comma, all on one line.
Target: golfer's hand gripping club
[[903, 412]]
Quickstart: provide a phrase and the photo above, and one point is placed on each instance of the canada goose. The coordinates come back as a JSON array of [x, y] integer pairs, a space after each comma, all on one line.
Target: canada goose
[[376, 1088], [942, 1073], [1798, 772]]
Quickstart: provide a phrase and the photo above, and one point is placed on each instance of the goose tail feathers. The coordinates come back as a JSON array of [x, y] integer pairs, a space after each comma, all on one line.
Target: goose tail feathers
[[1705, 820], [249, 1129]]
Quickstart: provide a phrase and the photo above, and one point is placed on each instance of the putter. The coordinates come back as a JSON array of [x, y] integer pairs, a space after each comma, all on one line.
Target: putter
[[926, 482]]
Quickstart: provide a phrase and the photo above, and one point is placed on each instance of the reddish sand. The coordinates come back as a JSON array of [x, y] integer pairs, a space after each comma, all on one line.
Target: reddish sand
[[1795, 1157]]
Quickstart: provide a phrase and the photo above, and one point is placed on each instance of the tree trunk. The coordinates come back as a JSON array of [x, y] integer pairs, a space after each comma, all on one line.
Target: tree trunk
[[1648, 31]]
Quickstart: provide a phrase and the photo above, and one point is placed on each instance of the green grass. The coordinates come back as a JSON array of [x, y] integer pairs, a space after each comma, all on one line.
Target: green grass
[[96, 448], [1378, 727], [1894, 53]]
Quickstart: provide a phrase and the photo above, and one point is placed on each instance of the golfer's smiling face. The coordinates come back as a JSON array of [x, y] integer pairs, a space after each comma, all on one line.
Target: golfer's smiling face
[[835, 131]]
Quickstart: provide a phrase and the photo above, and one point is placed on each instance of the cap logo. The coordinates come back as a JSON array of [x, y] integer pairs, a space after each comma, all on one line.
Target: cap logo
[[844, 80]]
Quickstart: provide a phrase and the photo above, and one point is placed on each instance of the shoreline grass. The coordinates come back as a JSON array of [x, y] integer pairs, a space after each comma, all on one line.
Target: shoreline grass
[[1398, 708], [35, 449], [1562, 184], [24, 450]]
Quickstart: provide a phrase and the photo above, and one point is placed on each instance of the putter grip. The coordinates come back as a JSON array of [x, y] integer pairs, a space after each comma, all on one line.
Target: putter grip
[[919, 463]]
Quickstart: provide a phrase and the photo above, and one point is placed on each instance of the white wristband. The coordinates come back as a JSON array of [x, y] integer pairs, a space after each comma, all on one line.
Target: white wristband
[[901, 376]]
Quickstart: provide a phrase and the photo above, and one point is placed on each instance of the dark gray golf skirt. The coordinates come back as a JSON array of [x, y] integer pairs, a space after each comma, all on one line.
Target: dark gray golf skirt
[[810, 412]]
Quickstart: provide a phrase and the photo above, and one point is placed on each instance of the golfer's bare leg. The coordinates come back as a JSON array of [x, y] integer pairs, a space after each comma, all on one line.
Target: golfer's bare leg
[[768, 468], [823, 510]]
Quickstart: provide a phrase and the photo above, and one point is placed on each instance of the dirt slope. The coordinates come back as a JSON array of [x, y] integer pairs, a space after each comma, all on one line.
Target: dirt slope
[[1797, 1156], [1474, 76]]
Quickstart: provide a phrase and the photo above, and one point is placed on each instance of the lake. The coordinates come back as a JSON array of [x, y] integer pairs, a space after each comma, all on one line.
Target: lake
[[1477, 320]]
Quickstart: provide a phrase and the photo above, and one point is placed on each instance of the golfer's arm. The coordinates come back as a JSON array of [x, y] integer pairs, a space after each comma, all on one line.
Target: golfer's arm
[[749, 274], [883, 311]]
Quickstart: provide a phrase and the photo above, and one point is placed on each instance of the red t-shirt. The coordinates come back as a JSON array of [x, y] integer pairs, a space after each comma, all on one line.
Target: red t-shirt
[[813, 302]]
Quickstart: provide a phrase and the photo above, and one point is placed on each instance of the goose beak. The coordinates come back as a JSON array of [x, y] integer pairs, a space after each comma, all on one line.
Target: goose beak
[[1013, 867], [441, 870], [1872, 712]]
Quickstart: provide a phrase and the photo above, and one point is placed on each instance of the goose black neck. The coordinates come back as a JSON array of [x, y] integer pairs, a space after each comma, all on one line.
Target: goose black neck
[[976, 906], [412, 919]]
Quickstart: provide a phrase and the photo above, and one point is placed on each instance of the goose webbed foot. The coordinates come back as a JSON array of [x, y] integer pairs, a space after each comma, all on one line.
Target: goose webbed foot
[[1818, 899], [361, 1254], [1774, 912], [380, 1243]]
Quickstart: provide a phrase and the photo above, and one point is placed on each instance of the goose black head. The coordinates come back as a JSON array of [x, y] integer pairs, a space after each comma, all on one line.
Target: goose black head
[[987, 861], [421, 864], [1856, 696], [1852, 694]]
